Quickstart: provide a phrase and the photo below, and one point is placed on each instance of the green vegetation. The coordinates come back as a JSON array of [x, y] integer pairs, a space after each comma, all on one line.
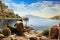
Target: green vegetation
[[17, 16], [12, 15], [3, 4], [7, 14]]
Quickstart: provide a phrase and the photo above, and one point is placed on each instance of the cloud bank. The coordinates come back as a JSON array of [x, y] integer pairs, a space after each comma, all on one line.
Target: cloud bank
[[42, 9]]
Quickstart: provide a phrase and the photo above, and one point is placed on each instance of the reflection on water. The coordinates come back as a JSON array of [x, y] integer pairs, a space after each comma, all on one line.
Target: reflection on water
[[42, 24]]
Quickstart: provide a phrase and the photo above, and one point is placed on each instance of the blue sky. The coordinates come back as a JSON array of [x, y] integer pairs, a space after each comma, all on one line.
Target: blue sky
[[45, 8], [26, 1]]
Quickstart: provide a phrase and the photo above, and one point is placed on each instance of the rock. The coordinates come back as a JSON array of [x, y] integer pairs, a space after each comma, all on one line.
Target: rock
[[32, 38], [1, 39], [15, 31], [18, 28], [43, 38], [12, 39], [6, 32], [15, 39], [1, 36], [54, 32], [39, 35], [19, 25], [40, 38]]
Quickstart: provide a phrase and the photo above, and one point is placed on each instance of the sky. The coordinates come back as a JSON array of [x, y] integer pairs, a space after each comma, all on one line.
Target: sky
[[41, 8]]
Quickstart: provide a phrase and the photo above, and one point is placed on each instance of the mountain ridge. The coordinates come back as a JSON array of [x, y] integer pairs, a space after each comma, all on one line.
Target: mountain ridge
[[33, 16]]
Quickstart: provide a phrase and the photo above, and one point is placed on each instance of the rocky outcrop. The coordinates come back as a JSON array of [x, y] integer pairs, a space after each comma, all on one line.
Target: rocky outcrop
[[54, 32], [56, 17], [17, 29], [19, 25], [6, 12]]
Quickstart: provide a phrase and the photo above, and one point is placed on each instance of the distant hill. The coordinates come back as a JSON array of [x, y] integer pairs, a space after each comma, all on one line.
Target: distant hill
[[56, 17], [33, 17]]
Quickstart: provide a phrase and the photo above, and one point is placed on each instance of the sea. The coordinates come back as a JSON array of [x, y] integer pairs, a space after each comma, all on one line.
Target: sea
[[41, 24], [36, 23]]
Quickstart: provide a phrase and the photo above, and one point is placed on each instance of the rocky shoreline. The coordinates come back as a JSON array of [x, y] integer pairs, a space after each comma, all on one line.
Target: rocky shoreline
[[20, 32], [27, 36]]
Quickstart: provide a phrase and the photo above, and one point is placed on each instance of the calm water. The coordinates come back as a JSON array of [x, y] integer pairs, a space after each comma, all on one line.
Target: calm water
[[42, 24]]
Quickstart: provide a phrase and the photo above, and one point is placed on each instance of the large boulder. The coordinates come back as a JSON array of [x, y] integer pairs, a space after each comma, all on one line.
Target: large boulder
[[16, 31], [18, 28], [6, 32], [19, 25], [54, 32]]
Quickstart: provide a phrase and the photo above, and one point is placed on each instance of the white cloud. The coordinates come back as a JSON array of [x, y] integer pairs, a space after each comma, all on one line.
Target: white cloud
[[42, 9]]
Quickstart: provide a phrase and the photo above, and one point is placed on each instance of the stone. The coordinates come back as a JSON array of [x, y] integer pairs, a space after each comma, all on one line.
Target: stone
[[19, 25], [32, 38], [1, 36], [54, 32], [6, 32]]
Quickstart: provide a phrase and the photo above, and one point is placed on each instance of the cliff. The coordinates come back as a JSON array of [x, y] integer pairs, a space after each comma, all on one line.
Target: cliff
[[6, 12]]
